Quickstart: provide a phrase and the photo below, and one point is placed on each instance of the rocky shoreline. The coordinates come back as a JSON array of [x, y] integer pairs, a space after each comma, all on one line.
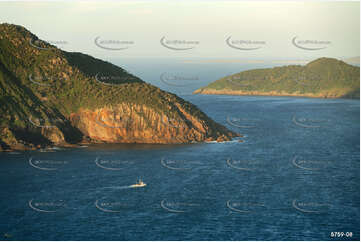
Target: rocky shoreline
[[272, 93]]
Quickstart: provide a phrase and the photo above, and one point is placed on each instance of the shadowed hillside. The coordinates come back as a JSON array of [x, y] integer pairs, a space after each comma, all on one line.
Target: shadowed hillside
[[49, 96]]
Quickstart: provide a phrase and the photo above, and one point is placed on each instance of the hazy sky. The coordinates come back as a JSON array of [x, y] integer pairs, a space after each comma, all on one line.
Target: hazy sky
[[140, 25]]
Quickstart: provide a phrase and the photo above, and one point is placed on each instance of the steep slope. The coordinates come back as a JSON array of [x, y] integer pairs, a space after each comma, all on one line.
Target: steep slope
[[49, 96], [324, 77]]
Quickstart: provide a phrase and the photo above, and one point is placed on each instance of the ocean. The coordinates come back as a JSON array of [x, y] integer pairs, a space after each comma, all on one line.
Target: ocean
[[295, 176]]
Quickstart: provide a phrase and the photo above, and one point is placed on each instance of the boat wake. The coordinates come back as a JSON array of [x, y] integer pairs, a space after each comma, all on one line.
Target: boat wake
[[118, 187], [140, 183]]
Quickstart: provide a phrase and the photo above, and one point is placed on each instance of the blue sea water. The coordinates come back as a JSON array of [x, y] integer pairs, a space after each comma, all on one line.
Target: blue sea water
[[295, 176]]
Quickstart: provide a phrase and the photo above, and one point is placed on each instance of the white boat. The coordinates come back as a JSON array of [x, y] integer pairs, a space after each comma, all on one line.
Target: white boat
[[139, 183]]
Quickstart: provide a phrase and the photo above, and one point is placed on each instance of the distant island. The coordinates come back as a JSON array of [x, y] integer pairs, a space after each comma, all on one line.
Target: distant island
[[321, 78], [353, 60], [52, 97]]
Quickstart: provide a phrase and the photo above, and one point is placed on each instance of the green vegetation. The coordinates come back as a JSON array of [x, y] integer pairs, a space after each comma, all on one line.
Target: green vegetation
[[324, 77], [47, 83]]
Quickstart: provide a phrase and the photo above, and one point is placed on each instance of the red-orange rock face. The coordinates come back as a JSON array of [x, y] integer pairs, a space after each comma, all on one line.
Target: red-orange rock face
[[140, 124]]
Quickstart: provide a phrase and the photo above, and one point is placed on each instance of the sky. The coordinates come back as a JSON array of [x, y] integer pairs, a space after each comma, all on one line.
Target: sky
[[219, 30]]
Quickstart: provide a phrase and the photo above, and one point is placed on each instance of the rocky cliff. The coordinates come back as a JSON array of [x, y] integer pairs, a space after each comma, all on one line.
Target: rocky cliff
[[53, 97]]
